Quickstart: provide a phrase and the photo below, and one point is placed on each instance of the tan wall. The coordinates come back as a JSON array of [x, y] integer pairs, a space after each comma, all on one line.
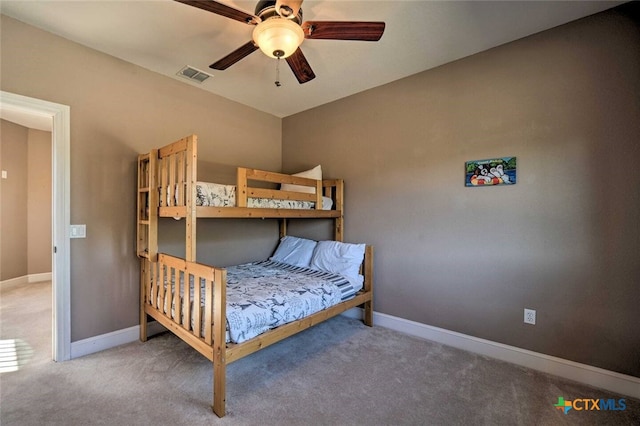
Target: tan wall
[[13, 200], [119, 110], [564, 240], [39, 202], [26, 224]]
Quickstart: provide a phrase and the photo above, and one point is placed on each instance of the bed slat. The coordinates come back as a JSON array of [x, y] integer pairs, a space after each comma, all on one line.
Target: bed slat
[[181, 183], [165, 189]]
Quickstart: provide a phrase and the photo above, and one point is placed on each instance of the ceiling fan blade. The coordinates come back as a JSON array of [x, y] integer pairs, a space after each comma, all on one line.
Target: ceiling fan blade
[[300, 67], [223, 10], [233, 57], [343, 30]]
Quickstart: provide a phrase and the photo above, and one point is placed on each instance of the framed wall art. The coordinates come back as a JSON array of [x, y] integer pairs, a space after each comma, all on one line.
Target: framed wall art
[[491, 172]]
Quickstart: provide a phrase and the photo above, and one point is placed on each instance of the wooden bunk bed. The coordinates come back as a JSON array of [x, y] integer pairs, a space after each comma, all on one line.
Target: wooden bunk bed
[[167, 180]]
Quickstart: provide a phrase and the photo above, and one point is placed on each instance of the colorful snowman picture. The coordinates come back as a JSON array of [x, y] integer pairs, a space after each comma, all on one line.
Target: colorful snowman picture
[[496, 171]]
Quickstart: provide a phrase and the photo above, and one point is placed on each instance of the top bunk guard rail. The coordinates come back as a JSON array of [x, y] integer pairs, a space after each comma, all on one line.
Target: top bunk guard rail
[[177, 180]]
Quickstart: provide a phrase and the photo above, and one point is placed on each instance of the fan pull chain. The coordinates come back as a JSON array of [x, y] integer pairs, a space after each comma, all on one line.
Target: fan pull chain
[[277, 82]]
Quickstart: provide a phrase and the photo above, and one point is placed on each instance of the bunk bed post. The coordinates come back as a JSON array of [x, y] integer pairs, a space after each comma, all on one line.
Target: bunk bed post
[[192, 176], [241, 187], [318, 203], [339, 221], [153, 206], [283, 227], [219, 341], [368, 284]]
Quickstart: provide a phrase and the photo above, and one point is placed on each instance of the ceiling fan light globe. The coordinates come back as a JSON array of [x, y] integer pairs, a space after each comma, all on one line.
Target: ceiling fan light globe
[[277, 35]]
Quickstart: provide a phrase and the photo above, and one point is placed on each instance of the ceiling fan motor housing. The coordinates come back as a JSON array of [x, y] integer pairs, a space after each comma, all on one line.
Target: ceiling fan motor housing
[[266, 9]]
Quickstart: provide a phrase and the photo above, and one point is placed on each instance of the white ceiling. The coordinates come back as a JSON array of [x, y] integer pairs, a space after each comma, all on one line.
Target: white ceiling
[[164, 36]]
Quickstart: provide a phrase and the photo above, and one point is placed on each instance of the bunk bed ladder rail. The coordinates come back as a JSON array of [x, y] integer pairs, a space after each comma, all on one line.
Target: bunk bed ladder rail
[[147, 211]]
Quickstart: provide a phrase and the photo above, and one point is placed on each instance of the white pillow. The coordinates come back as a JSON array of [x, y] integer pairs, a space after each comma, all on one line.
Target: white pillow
[[340, 258], [315, 173], [294, 251]]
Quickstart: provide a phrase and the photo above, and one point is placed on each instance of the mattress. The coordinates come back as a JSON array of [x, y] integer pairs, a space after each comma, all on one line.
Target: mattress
[[218, 195], [264, 295]]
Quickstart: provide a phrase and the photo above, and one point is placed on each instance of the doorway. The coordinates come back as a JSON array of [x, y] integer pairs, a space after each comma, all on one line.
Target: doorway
[[13, 104]]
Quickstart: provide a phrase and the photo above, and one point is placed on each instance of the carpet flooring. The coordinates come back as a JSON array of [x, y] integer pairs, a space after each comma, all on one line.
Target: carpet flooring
[[337, 373]]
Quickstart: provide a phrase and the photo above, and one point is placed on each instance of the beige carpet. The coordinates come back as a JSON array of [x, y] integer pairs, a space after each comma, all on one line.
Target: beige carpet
[[338, 373]]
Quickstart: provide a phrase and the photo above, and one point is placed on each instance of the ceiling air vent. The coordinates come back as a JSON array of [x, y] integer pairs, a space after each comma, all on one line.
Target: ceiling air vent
[[193, 74]]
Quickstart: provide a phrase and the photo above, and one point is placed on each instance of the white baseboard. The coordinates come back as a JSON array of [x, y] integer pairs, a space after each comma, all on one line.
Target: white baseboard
[[36, 278], [15, 281], [582, 373], [111, 340], [26, 279]]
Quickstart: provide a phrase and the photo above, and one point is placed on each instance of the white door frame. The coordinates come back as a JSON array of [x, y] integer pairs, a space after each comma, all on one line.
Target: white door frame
[[61, 117]]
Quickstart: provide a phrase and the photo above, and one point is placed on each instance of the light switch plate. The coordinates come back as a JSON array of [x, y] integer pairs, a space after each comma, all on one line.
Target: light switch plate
[[78, 231], [4, 174]]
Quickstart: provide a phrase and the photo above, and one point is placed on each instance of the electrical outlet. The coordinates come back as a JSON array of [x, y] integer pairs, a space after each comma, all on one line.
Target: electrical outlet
[[529, 316]]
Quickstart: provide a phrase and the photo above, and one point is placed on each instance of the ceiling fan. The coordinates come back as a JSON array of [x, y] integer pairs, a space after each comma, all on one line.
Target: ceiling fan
[[279, 31]]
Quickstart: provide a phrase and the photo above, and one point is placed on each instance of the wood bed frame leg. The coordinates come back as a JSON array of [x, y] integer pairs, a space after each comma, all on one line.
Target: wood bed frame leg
[[144, 271], [368, 314], [219, 380], [143, 327], [368, 285]]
